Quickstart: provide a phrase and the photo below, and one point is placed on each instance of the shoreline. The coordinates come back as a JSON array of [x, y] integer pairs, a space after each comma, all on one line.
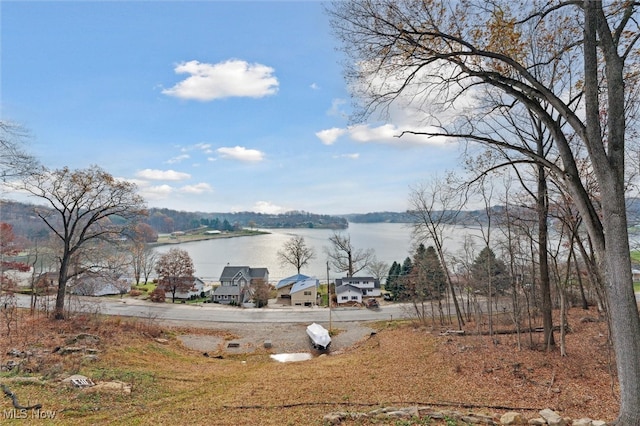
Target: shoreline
[[188, 238]]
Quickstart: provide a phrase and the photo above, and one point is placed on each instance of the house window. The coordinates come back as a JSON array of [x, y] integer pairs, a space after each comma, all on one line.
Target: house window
[[307, 293], [354, 297], [344, 298]]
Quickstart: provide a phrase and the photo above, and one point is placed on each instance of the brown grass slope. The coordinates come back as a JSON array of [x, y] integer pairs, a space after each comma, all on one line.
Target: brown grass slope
[[401, 365]]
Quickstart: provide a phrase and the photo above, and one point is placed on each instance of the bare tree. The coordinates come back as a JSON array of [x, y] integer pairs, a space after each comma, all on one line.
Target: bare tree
[[81, 205], [296, 252], [433, 207], [344, 257], [378, 269], [15, 162], [261, 292], [141, 254], [175, 272], [408, 50]]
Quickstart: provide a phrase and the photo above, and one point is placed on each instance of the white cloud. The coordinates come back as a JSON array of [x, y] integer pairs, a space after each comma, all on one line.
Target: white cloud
[[329, 136], [158, 192], [201, 146], [268, 208], [178, 159], [200, 188], [389, 134], [241, 153], [336, 108], [353, 156], [232, 78], [385, 133], [172, 175], [314, 86], [204, 147]]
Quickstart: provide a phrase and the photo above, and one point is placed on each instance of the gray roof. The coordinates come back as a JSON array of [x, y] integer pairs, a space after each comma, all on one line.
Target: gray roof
[[227, 290], [347, 287], [346, 280], [230, 272]]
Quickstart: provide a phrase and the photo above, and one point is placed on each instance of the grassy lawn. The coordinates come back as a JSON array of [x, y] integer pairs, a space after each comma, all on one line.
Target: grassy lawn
[[148, 287]]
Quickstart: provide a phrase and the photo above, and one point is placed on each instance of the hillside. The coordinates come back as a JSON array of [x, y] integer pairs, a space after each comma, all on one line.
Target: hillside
[[402, 365]]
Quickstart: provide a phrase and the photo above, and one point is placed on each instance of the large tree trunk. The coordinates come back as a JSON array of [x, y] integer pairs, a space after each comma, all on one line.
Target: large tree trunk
[[607, 158], [625, 321], [63, 276]]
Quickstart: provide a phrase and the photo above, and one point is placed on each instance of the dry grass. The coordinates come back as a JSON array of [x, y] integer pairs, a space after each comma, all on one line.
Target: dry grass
[[401, 365]]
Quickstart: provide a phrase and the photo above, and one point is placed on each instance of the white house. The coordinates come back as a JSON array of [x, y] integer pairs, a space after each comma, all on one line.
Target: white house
[[95, 284], [348, 293], [369, 286], [198, 289]]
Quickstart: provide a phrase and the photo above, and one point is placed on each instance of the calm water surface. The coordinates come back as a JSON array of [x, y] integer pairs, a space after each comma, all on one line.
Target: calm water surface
[[390, 242]]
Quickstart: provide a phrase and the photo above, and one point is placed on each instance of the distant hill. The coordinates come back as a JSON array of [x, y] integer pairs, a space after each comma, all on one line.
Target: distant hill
[[166, 220], [25, 223], [467, 217]]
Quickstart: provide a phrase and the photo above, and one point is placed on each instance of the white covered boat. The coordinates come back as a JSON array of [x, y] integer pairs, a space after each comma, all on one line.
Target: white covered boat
[[319, 336]]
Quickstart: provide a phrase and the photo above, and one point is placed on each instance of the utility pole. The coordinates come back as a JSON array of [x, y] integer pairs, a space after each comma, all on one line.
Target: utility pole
[[329, 296]]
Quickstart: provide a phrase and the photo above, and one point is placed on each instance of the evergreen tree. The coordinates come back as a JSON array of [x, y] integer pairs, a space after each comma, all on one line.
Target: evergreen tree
[[391, 284], [489, 271]]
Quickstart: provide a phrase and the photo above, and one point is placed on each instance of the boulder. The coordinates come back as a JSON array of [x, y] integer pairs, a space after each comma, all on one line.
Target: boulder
[[582, 422], [110, 387], [552, 418], [512, 418]]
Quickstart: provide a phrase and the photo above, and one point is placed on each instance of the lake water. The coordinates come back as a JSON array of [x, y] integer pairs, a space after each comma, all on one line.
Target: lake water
[[390, 242]]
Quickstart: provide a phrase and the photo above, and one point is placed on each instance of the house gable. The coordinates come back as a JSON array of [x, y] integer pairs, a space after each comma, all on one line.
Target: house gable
[[369, 286], [235, 283], [348, 293]]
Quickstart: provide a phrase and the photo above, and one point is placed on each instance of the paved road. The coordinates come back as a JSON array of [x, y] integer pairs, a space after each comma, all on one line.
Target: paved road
[[219, 313]]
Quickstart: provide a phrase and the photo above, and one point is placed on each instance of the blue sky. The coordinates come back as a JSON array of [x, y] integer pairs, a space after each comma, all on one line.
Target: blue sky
[[208, 106]]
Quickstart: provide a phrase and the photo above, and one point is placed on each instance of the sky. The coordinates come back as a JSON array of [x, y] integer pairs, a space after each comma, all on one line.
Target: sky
[[207, 106]]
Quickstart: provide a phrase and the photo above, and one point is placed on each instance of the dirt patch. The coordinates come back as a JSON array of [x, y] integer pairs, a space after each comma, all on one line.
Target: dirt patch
[[282, 338]]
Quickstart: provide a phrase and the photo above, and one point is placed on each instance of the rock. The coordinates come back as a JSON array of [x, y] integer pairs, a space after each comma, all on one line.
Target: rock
[[598, 423], [412, 411], [512, 418], [333, 418], [477, 419], [91, 357], [399, 414], [110, 387], [582, 422], [538, 421], [85, 338], [162, 341], [268, 344], [552, 418], [70, 350]]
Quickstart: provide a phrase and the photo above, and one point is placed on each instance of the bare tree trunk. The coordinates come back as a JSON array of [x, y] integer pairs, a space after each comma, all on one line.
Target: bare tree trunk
[[545, 287]]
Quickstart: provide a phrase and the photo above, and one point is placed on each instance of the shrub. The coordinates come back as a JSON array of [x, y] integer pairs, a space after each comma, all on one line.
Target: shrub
[[157, 295], [135, 293]]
